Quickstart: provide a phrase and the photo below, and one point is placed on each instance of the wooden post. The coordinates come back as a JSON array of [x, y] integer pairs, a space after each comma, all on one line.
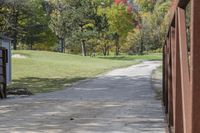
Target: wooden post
[[173, 70], [170, 102], [185, 79], [195, 65], [163, 81], [178, 110], [166, 79]]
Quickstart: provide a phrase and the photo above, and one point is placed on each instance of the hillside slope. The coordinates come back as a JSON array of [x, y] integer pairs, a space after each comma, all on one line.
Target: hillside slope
[[41, 71]]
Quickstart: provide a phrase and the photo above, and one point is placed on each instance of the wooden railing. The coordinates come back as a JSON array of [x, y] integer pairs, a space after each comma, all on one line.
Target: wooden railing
[[3, 82], [181, 69]]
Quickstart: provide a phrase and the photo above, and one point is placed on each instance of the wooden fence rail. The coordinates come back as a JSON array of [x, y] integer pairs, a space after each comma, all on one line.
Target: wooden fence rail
[[3, 61], [181, 70]]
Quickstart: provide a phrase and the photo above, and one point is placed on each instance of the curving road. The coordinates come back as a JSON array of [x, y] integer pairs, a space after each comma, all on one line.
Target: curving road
[[121, 101]]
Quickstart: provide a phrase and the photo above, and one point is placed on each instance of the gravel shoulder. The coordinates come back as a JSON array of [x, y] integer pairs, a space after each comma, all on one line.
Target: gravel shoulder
[[121, 101], [156, 77]]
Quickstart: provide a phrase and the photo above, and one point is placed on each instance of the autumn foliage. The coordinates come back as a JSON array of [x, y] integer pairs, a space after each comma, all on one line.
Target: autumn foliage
[[117, 2], [129, 6]]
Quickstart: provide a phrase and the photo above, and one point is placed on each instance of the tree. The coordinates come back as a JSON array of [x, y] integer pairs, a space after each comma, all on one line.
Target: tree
[[120, 23], [155, 25], [133, 42], [36, 26], [146, 5], [70, 18], [3, 19], [15, 12], [152, 24], [85, 20], [60, 23], [102, 27]]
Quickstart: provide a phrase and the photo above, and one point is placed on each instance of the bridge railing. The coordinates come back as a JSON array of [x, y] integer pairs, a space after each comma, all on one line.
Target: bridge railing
[[181, 69]]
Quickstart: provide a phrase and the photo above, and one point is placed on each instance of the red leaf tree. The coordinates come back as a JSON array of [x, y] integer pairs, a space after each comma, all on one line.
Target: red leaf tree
[[117, 2], [125, 2]]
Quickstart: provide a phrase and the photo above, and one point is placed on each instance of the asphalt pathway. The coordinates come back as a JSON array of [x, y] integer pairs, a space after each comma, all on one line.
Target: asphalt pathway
[[121, 101]]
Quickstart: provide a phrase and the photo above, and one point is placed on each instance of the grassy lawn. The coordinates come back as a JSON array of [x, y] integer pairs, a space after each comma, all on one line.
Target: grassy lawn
[[134, 57], [49, 71]]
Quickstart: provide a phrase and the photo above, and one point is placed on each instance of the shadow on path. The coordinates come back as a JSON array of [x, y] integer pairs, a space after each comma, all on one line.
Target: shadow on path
[[118, 102]]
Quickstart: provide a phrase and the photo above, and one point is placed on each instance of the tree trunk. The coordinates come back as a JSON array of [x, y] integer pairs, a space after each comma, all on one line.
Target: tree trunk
[[94, 52], [117, 48], [141, 46], [108, 51], [117, 51], [31, 46], [15, 32], [15, 41], [105, 50], [62, 45], [83, 46]]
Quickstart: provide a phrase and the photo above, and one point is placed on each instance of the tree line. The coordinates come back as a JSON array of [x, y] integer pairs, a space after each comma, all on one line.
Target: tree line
[[86, 27]]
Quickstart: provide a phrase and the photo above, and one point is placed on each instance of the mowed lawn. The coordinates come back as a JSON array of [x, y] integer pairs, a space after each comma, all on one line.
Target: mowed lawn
[[151, 57], [44, 71]]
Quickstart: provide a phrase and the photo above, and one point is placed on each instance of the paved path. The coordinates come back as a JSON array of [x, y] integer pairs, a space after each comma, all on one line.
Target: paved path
[[121, 101]]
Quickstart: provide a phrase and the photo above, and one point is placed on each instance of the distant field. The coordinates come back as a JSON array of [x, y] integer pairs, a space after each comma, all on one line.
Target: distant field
[[41, 71]]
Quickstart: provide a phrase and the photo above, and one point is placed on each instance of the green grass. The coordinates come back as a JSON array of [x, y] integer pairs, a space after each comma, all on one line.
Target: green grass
[[134, 57], [157, 82], [49, 71]]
